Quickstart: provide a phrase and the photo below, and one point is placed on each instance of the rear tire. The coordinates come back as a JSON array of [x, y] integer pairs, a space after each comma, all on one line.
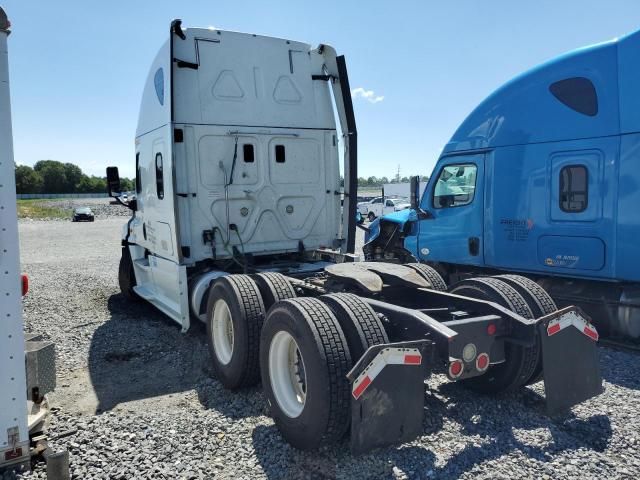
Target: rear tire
[[520, 362], [540, 303], [310, 405], [431, 275], [273, 288], [361, 326], [235, 314], [126, 275]]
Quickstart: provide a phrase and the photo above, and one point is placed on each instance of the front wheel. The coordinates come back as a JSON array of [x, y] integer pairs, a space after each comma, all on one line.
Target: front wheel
[[304, 360], [126, 275]]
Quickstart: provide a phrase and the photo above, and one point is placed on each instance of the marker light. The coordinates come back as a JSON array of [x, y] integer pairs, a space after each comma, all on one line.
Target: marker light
[[469, 352]]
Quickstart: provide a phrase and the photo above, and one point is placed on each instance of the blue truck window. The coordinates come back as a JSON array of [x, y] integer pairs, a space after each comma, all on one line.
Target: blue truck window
[[574, 188], [159, 177], [577, 93], [456, 186]]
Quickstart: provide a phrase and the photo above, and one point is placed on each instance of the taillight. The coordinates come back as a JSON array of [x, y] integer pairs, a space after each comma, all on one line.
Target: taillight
[[482, 362], [491, 329], [455, 368], [25, 284]]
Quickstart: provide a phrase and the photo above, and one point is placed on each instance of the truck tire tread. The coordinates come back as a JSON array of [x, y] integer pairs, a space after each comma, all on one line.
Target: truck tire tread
[[316, 320], [530, 289], [431, 275], [360, 324], [541, 304], [244, 299], [273, 287]]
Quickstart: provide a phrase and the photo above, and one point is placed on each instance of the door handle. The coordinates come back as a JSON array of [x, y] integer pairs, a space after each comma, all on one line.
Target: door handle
[[474, 246]]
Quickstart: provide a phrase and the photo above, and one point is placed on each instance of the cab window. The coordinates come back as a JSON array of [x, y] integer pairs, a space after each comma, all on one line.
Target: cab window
[[390, 203], [159, 176], [456, 186], [574, 188]]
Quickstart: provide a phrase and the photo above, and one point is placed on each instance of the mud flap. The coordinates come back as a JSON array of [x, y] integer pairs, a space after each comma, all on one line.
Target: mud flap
[[387, 394], [569, 359]]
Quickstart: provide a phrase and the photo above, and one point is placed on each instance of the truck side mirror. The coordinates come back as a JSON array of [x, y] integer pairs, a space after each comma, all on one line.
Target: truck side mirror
[[113, 181], [415, 192]]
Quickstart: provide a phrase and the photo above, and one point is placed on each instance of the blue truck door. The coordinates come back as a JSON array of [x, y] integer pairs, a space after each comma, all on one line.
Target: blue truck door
[[454, 197]]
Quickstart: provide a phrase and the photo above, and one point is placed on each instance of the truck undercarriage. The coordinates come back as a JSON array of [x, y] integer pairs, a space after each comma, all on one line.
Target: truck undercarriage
[[339, 343]]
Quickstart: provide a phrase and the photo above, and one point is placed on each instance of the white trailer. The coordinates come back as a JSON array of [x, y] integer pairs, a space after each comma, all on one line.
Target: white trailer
[[400, 189], [27, 370], [14, 434]]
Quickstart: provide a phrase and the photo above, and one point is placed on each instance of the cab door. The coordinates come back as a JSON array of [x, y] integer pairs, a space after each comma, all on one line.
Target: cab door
[[454, 200]]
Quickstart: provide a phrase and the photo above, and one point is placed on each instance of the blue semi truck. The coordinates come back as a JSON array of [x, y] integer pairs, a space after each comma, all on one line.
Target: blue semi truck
[[542, 179]]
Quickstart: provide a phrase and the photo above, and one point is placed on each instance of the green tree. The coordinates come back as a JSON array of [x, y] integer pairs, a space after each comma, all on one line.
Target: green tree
[[73, 175], [53, 176], [27, 180]]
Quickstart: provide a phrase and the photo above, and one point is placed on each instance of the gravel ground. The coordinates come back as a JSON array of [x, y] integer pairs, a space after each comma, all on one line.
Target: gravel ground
[[101, 207], [136, 399]]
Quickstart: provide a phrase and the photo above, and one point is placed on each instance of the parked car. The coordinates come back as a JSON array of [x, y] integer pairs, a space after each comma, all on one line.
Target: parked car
[[381, 206], [83, 214]]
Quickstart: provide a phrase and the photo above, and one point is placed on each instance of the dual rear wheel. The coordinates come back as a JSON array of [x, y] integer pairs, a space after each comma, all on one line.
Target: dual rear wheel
[[301, 349], [523, 364]]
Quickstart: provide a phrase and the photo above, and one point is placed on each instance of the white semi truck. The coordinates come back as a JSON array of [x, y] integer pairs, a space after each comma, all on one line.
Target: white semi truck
[[27, 362], [237, 222]]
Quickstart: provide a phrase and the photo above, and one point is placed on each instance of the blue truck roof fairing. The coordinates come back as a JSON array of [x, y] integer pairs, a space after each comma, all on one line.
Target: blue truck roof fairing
[[525, 111]]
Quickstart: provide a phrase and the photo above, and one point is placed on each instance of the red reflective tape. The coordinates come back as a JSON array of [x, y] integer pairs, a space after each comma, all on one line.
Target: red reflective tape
[[13, 454], [359, 390], [591, 333], [412, 359], [553, 329]]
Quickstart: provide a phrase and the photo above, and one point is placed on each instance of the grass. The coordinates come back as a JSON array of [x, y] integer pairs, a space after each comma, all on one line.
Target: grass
[[34, 208]]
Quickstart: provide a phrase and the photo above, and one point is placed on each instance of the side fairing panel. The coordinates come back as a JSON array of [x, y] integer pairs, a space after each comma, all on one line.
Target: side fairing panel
[[155, 107], [524, 227], [628, 225]]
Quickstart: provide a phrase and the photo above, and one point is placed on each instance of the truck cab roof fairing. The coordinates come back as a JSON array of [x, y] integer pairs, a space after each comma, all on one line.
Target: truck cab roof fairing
[[155, 107], [527, 110], [210, 89]]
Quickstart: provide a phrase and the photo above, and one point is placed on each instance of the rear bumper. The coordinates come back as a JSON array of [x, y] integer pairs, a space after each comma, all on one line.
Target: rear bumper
[[387, 382]]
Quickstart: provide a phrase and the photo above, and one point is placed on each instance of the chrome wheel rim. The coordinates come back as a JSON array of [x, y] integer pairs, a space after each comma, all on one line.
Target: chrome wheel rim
[[222, 332], [287, 374]]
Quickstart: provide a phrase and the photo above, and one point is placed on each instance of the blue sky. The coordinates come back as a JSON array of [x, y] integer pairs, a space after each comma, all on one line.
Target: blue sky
[[78, 67]]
